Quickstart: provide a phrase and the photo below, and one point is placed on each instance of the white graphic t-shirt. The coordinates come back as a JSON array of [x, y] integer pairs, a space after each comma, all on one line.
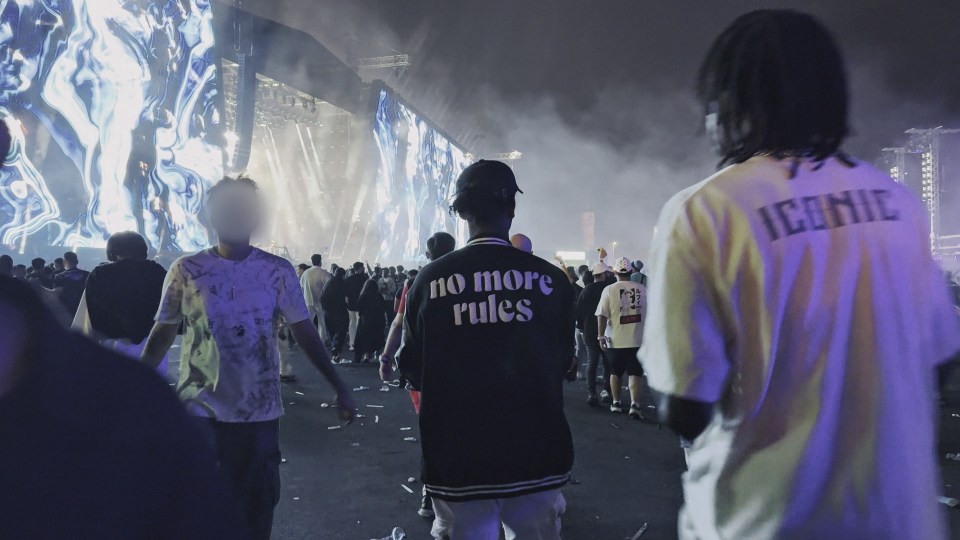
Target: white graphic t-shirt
[[624, 304], [812, 313], [229, 367], [313, 280]]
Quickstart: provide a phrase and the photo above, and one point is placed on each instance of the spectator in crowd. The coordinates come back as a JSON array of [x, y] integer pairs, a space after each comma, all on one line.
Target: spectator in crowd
[[438, 245], [19, 272], [587, 304], [94, 445], [785, 342], [489, 317], [6, 265], [522, 242], [122, 297], [622, 309], [70, 283], [372, 325], [39, 275], [334, 302], [355, 282], [230, 298], [638, 276], [313, 280]]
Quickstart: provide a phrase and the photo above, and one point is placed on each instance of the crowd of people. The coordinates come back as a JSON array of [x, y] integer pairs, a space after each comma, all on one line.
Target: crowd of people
[[775, 331]]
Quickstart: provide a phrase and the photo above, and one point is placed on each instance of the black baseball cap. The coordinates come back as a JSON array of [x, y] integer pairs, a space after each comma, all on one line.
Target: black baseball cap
[[494, 178]]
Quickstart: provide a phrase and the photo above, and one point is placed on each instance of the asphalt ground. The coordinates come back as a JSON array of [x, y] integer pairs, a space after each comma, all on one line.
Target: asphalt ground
[[350, 482]]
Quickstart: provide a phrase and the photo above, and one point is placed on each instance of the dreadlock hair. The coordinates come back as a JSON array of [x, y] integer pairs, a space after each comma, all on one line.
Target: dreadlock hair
[[776, 81]]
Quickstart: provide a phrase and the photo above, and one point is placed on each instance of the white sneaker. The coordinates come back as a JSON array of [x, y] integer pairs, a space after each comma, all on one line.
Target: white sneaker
[[616, 407]]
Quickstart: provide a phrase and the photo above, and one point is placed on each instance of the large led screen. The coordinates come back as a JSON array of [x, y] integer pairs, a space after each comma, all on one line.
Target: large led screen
[[416, 178], [112, 107]]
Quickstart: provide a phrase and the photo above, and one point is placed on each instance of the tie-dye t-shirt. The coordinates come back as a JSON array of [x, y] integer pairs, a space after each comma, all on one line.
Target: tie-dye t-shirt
[[230, 362]]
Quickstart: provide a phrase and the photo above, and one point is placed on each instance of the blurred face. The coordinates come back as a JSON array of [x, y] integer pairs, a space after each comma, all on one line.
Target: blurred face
[[235, 214]]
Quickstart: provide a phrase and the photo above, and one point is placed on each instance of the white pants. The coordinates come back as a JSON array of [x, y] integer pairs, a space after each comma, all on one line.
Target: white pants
[[354, 322], [317, 311], [528, 517]]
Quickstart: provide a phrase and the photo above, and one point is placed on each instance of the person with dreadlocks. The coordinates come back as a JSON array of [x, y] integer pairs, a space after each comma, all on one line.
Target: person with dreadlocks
[[780, 335]]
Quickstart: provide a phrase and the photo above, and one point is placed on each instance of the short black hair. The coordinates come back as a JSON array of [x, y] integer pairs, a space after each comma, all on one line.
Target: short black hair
[[358, 267], [58, 260], [479, 206], [339, 272], [440, 244], [588, 278], [128, 245], [303, 266], [775, 78], [38, 264], [316, 259], [229, 181], [71, 258], [6, 265]]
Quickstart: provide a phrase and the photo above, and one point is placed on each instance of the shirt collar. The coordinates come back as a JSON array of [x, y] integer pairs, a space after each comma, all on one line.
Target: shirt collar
[[489, 241]]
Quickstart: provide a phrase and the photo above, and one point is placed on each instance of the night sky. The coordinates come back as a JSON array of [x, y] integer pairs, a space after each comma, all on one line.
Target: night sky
[[598, 93]]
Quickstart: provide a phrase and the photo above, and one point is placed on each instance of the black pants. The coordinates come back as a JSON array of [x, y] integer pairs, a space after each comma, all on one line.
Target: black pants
[[338, 325], [249, 463], [595, 358]]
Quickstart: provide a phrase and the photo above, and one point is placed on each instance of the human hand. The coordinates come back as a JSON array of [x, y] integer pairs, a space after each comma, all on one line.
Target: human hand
[[386, 368], [346, 406], [603, 344]]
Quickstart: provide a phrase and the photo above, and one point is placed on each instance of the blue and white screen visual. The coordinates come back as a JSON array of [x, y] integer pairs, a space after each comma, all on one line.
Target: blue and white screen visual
[[416, 178], [111, 104]]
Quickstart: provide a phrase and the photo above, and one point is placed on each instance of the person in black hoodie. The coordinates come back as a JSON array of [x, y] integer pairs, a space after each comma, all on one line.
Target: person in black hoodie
[[587, 323], [333, 300], [489, 337], [355, 282], [371, 331], [121, 297]]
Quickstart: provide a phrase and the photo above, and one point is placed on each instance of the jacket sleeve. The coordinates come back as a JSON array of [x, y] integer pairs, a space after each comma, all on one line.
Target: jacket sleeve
[[410, 356]]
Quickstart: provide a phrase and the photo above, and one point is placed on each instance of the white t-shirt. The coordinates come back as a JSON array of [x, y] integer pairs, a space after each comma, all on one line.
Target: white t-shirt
[[313, 280], [811, 312], [230, 362], [624, 304]]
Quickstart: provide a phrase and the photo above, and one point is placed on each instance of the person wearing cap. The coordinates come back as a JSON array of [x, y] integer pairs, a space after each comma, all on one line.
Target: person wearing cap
[[620, 318], [488, 341], [587, 304]]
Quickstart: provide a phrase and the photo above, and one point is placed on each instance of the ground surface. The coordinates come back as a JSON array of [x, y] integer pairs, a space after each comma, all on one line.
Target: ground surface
[[347, 484]]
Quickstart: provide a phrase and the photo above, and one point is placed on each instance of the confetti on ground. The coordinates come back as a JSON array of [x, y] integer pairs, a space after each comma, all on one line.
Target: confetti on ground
[[334, 428], [615, 426], [410, 439], [639, 533], [359, 416], [404, 486], [292, 402], [283, 460], [296, 498], [375, 406], [298, 393], [405, 429], [355, 444], [385, 388], [411, 480], [324, 405], [376, 419], [361, 388]]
